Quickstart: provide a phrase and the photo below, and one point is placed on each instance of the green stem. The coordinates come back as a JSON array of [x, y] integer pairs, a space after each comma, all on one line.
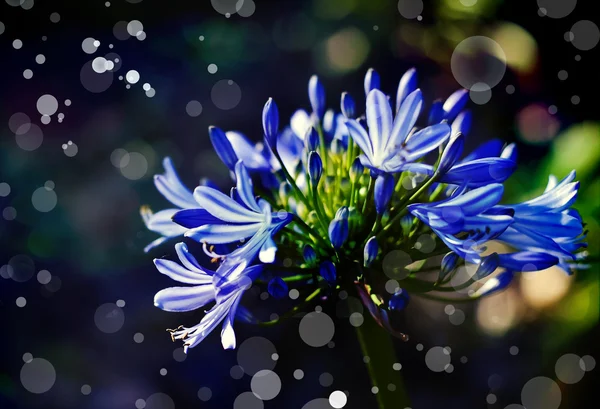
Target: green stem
[[377, 344], [396, 218], [369, 189], [318, 207], [291, 181], [311, 231]]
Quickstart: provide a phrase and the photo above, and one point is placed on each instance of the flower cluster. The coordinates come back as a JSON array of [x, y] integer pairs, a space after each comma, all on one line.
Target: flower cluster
[[325, 199]]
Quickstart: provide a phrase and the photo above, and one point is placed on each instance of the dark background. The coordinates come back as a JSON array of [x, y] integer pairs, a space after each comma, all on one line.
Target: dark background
[[91, 241]]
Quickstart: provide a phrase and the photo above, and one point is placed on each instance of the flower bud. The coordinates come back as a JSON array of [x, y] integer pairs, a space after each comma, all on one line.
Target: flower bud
[[316, 95], [462, 123], [347, 105], [509, 152], [315, 168], [222, 147], [407, 84], [270, 119], [372, 81], [309, 254], [311, 139], [327, 271], [494, 284], [277, 287], [399, 300], [338, 228], [406, 222], [356, 170], [451, 154], [436, 113], [370, 251], [487, 266], [449, 263], [384, 187], [455, 103]]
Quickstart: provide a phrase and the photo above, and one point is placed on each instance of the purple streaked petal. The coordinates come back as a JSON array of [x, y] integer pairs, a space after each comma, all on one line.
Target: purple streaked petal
[[223, 207], [405, 119], [379, 120], [227, 333], [455, 103], [268, 251], [462, 123], [179, 273], [477, 200], [189, 261], [180, 299], [223, 233], [480, 172], [425, 140], [360, 137], [248, 153], [521, 260], [407, 84], [552, 224], [175, 193], [244, 186]]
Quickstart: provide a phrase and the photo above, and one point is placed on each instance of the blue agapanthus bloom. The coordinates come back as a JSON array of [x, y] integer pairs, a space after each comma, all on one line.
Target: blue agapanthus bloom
[[337, 193]]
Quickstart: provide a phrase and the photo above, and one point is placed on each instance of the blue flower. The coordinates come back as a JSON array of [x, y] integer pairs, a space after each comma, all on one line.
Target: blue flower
[[224, 286], [547, 224], [466, 213], [309, 167], [178, 299], [387, 146], [225, 220], [169, 185]]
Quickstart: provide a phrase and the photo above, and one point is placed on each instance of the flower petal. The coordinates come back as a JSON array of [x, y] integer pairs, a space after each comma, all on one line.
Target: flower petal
[[223, 207], [360, 137], [227, 333], [300, 123], [180, 273], [253, 159], [477, 200], [379, 120], [488, 149], [244, 186], [190, 261], [223, 233], [425, 140], [405, 120], [180, 299], [191, 218], [480, 172]]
